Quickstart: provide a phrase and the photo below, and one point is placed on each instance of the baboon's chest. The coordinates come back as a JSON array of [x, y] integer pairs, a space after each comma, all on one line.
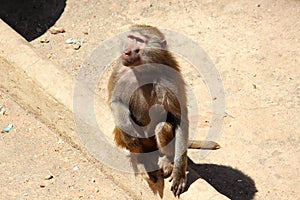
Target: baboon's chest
[[140, 103]]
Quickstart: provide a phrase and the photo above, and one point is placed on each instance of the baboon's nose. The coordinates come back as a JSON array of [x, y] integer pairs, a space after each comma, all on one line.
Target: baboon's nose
[[127, 52]]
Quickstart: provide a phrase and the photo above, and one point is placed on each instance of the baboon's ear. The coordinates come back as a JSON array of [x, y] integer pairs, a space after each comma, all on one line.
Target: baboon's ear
[[163, 44]]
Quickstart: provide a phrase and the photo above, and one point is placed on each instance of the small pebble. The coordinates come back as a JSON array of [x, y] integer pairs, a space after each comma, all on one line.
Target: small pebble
[[75, 168], [56, 30], [73, 41], [42, 185], [48, 177], [69, 41], [2, 110], [76, 46], [60, 141], [44, 40], [76, 43]]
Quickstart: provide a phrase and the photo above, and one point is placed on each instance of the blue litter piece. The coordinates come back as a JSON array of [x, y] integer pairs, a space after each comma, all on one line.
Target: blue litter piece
[[8, 128]]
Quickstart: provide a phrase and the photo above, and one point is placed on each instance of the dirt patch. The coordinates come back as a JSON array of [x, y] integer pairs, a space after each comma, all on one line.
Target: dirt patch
[[38, 164]]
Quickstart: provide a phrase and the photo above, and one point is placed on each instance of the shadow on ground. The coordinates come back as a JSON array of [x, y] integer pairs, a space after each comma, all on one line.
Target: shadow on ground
[[31, 18], [228, 181]]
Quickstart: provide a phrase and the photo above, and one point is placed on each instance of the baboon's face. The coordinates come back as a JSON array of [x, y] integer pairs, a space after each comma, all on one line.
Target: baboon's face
[[134, 49]]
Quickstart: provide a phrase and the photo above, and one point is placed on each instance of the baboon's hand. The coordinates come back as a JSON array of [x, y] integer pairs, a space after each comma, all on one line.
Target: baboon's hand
[[178, 183]]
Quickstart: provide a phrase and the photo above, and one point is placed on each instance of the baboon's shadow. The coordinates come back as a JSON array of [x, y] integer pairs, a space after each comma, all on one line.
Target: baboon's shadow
[[228, 181]]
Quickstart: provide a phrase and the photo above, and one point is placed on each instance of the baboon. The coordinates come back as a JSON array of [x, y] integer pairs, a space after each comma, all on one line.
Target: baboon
[[154, 116]]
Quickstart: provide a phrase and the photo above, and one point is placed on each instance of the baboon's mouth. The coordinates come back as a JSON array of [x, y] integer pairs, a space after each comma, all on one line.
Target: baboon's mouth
[[130, 61], [126, 62]]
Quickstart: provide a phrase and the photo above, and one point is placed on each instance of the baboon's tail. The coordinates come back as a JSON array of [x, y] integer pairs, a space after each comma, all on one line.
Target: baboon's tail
[[202, 144]]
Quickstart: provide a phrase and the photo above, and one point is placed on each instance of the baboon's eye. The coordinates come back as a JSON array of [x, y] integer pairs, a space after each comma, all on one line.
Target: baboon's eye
[[140, 40], [130, 37]]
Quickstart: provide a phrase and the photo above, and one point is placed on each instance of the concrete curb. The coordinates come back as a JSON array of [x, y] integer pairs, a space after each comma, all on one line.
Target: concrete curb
[[49, 96]]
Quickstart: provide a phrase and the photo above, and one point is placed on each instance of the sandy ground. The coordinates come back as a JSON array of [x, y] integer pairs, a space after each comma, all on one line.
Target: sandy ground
[[255, 46], [36, 164]]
